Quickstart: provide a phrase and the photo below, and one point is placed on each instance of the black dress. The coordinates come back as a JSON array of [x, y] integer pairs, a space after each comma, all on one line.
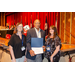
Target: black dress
[[53, 44]]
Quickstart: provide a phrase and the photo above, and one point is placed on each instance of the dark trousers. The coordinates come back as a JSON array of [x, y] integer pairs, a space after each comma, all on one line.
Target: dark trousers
[[55, 59]]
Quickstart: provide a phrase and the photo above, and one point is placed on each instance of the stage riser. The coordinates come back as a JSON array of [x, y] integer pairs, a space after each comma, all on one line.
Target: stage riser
[[66, 58], [5, 57]]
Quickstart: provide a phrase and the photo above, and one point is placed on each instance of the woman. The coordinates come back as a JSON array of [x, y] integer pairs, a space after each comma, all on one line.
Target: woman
[[52, 45], [17, 44]]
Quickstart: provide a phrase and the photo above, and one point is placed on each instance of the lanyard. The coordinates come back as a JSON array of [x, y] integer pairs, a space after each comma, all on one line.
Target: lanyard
[[22, 39]]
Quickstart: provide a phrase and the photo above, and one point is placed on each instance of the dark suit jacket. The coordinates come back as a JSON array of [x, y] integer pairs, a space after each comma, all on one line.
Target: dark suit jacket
[[31, 33]]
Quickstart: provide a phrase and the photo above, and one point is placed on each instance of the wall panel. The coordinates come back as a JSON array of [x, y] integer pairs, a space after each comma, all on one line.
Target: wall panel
[[67, 32], [68, 20], [62, 26], [73, 28]]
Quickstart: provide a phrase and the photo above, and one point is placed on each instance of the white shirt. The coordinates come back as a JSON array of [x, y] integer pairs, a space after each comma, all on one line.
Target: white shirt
[[38, 33]]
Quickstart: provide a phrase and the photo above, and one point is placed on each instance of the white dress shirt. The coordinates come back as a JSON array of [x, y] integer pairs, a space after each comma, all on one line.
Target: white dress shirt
[[38, 33]]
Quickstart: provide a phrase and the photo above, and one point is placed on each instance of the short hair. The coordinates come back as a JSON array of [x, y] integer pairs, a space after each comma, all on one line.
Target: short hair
[[36, 20]]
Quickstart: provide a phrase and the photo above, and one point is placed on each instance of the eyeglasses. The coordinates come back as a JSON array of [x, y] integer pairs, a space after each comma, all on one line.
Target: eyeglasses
[[37, 23]]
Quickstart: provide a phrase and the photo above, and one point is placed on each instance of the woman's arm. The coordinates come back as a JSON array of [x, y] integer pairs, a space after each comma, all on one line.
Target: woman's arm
[[25, 55], [55, 52], [12, 53]]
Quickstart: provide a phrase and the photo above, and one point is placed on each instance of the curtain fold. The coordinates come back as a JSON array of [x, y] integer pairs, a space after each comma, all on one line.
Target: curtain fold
[[26, 17]]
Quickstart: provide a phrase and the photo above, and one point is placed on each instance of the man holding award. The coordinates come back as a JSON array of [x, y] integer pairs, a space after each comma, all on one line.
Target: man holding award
[[35, 41]]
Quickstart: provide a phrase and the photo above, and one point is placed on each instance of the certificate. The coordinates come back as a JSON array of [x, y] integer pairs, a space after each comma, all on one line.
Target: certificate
[[37, 50], [36, 45]]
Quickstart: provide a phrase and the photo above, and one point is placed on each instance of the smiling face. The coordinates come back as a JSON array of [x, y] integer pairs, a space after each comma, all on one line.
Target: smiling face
[[37, 24], [51, 31], [20, 28]]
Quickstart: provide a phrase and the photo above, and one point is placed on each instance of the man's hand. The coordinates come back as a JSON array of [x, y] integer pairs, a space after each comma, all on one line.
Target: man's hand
[[32, 53]]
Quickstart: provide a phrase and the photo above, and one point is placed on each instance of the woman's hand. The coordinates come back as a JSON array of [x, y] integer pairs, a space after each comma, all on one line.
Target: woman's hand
[[51, 58], [55, 52], [25, 59], [13, 60], [44, 48]]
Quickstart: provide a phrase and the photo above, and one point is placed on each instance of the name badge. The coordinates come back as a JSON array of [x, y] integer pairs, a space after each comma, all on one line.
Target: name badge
[[22, 48], [48, 48]]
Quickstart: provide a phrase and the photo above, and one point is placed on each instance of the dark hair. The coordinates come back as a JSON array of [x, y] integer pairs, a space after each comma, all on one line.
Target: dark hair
[[15, 30], [55, 31]]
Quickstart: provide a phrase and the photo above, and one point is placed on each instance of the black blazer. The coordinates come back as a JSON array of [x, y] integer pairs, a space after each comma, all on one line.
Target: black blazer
[[31, 33]]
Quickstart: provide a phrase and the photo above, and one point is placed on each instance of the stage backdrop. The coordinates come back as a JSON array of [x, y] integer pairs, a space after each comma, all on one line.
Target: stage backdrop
[[25, 18]]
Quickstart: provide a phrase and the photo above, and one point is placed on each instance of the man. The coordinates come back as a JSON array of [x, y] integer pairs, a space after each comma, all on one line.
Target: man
[[31, 22], [35, 32], [46, 27], [7, 26]]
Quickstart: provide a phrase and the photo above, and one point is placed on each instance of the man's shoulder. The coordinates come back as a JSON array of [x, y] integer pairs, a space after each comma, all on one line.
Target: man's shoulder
[[31, 30], [43, 31]]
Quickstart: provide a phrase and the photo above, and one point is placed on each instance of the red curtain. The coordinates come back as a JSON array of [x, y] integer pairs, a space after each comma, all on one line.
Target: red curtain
[[26, 16]]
